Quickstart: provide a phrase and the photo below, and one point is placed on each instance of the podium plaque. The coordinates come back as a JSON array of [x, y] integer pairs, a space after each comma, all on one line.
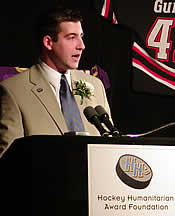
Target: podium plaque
[[131, 180]]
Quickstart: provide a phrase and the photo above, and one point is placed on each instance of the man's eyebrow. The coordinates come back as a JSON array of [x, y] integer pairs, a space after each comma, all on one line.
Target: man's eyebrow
[[74, 34]]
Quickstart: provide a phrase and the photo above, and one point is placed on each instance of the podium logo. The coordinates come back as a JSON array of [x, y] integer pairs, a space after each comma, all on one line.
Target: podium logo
[[134, 171]]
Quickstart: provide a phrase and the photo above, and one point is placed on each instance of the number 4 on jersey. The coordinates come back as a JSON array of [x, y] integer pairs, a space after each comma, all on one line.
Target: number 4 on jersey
[[158, 37]]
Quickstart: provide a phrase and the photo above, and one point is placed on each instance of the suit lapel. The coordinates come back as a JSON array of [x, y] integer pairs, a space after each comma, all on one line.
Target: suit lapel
[[76, 76], [46, 96]]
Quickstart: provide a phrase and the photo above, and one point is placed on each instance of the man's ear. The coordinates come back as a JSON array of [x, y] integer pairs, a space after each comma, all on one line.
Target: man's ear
[[48, 42]]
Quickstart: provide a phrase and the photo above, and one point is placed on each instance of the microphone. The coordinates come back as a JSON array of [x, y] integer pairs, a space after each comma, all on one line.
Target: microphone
[[104, 118], [93, 118]]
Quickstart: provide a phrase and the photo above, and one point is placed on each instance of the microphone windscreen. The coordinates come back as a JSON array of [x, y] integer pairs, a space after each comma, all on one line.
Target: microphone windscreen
[[90, 112], [93, 117], [100, 110]]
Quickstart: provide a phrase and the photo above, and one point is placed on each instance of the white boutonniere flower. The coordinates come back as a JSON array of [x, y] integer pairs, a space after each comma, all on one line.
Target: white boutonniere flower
[[84, 89]]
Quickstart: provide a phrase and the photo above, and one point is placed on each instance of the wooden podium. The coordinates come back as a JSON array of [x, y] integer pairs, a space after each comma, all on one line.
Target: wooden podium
[[48, 175]]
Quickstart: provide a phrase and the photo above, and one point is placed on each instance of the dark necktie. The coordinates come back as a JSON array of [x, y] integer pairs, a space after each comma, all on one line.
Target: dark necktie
[[69, 107]]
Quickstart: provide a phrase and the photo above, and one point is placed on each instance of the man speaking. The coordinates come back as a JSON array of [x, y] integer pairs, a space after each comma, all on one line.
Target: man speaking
[[49, 97]]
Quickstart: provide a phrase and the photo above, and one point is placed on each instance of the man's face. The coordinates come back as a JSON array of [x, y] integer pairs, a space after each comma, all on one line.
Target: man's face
[[67, 50]]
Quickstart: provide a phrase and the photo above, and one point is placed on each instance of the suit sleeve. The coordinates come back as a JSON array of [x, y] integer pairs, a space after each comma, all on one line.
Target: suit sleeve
[[11, 126]]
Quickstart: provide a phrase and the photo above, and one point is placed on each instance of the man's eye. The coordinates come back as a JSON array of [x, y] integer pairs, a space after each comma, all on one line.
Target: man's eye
[[71, 38]]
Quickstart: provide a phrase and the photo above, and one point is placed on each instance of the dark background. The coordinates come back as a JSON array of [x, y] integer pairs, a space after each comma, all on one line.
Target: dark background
[[107, 45]]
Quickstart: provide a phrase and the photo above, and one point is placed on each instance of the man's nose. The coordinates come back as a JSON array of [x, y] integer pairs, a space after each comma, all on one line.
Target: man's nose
[[81, 44]]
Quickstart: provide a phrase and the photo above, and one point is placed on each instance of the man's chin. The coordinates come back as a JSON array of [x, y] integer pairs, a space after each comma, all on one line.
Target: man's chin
[[74, 66]]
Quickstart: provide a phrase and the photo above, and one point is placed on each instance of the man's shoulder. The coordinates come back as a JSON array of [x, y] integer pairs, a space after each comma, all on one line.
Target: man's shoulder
[[15, 78], [21, 77], [18, 81]]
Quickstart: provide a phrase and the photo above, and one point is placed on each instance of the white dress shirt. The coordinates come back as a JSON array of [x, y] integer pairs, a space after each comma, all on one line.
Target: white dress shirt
[[54, 78]]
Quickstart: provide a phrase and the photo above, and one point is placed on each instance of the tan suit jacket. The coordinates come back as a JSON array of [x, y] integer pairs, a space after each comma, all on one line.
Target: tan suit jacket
[[29, 106]]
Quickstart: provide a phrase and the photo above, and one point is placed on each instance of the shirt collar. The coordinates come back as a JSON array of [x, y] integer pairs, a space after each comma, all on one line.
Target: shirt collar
[[54, 76]]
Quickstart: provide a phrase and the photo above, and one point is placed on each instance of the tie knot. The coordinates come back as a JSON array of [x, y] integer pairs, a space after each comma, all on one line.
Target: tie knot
[[64, 85], [63, 76]]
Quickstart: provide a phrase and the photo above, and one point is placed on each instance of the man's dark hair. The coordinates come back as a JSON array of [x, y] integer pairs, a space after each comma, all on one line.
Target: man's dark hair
[[48, 23]]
